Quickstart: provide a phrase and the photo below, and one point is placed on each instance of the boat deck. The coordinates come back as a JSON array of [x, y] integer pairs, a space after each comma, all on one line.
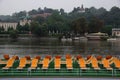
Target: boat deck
[[63, 71]]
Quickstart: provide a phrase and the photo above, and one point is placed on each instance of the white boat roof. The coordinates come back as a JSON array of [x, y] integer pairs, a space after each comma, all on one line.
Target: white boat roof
[[99, 33]]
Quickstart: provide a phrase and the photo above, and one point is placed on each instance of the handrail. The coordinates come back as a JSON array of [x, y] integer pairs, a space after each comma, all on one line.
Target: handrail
[[61, 72]]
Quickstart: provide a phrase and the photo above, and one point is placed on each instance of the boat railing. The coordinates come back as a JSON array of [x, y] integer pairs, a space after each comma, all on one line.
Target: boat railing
[[60, 72]]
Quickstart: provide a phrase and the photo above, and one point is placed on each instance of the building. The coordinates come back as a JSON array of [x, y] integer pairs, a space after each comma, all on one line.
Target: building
[[44, 15], [116, 32], [7, 25], [24, 21], [81, 9], [13, 25]]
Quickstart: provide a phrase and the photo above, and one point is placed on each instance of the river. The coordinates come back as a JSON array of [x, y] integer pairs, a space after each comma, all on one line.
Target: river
[[52, 46]]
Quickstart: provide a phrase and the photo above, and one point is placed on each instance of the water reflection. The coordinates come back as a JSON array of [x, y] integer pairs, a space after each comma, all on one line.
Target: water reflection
[[53, 47]]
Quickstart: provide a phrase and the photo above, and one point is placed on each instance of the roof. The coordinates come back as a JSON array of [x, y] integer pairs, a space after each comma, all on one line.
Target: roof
[[98, 34]]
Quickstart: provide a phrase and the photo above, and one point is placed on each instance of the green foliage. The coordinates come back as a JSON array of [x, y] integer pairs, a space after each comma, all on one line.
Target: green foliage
[[19, 16], [80, 26], [33, 26], [1, 30], [39, 19], [57, 22], [107, 29], [95, 25], [23, 29], [13, 34], [19, 28], [92, 20], [26, 28], [10, 29], [37, 29]]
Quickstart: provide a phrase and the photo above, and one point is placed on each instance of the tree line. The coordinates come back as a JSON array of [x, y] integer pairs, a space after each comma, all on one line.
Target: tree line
[[92, 20]]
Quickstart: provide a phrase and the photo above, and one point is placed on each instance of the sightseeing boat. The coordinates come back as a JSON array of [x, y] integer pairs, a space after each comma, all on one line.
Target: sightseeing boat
[[97, 36]]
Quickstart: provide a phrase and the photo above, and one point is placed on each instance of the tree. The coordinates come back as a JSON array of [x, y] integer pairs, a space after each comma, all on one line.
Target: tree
[[20, 15], [80, 26], [115, 16], [33, 12], [61, 21], [55, 22], [37, 29], [33, 26], [10, 29], [107, 29], [2, 29], [13, 34], [26, 28], [40, 19], [19, 28], [95, 25]]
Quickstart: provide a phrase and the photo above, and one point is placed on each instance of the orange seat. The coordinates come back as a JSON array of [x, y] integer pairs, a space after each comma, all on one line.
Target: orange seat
[[69, 62], [34, 63], [106, 64], [94, 63], [22, 63], [82, 63], [57, 62], [10, 63], [45, 63], [116, 61]]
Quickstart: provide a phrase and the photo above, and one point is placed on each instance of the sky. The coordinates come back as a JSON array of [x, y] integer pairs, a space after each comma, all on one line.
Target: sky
[[7, 7]]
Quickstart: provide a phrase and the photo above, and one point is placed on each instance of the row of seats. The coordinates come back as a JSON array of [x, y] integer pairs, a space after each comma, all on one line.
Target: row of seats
[[95, 61]]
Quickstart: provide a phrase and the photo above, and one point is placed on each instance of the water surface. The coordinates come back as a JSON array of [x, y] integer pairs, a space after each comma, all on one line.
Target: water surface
[[45, 46]]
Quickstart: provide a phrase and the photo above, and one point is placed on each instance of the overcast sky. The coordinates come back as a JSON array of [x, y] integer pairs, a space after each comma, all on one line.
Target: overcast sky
[[7, 7]]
